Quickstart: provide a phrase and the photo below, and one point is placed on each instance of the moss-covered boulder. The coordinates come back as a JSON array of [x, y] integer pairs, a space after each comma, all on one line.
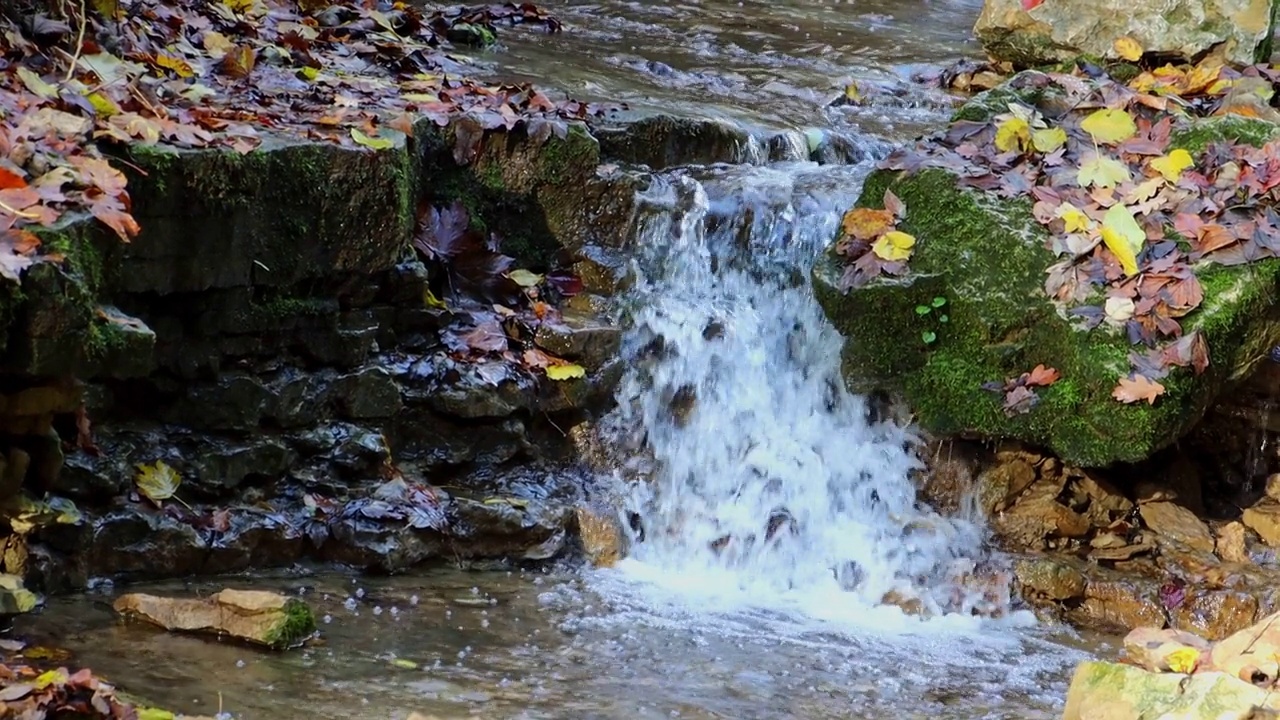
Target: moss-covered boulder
[[972, 310], [1113, 691], [255, 616]]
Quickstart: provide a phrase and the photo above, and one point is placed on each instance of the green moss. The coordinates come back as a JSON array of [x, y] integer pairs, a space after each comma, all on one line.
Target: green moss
[[988, 258], [298, 624], [1195, 137], [986, 105], [103, 338]]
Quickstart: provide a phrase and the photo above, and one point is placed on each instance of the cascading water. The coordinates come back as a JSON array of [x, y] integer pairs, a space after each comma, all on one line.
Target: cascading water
[[751, 468]]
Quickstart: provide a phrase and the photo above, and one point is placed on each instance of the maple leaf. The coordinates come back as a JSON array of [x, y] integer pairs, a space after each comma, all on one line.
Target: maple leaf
[[1171, 166], [1075, 219], [1128, 48], [866, 224], [158, 482], [1013, 134], [1048, 140], [1137, 388], [1101, 171]]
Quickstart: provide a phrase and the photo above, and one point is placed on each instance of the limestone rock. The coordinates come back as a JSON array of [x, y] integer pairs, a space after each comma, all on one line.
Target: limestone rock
[[580, 337], [1151, 647], [1062, 30], [601, 534], [259, 617], [1050, 578], [1177, 523], [1264, 519], [1112, 691], [1116, 602], [1037, 516], [999, 486], [1231, 544], [1215, 614]]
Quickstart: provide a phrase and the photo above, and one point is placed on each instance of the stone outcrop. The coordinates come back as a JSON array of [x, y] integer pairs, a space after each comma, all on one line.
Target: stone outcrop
[[1049, 31], [987, 258], [270, 336]]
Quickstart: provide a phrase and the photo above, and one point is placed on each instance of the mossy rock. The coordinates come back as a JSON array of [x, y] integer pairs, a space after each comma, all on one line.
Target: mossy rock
[[987, 257]]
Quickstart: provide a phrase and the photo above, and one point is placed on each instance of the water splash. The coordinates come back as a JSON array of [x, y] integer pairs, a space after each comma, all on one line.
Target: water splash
[[754, 473]]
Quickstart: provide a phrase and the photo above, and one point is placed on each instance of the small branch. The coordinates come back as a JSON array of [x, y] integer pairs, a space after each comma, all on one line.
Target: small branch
[[75, 59]]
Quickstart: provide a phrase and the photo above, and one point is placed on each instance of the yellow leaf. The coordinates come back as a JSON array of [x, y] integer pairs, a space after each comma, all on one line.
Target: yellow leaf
[[1123, 237], [1183, 660], [238, 5], [309, 73], [1201, 77], [1014, 133], [103, 105], [406, 664], [1172, 165], [158, 482], [431, 301], [421, 98], [1049, 139], [180, 67], [108, 8], [1104, 172], [1128, 48], [36, 84], [1109, 126], [217, 44], [524, 278], [894, 245], [1074, 217], [852, 93], [51, 677], [154, 714], [373, 143], [565, 372]]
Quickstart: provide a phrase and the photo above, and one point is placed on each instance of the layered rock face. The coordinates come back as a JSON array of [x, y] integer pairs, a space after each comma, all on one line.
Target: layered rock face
[[273, 336]]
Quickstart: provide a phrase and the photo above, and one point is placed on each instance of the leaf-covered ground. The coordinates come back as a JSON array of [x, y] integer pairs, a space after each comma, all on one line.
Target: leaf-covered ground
[[228, 73], [1131, 214]]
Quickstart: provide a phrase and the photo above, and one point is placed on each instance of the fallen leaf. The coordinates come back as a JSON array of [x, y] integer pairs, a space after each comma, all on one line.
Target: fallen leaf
[[1075, 219], [1109, 126], [373, 143], [1048, 139], [894, 246], [566, 372], [1137, 388], [1128, 48], [865, 223], [158, 482], [1104, 172], [1183, 660], [1013, 134], [1172, 165], [1123, 237], [524, 278], [1043, 376]]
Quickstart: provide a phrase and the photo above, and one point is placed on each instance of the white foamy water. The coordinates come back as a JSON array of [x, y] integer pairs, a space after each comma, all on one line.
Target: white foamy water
[[759, 480]]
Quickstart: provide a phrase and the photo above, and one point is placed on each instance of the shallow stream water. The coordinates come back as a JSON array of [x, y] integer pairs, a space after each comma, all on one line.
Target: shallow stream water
[[692, 625]]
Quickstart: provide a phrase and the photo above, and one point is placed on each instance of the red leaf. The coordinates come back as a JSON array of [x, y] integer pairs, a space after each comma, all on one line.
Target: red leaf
[[10, 180], [1031, 4], [1042, 376]]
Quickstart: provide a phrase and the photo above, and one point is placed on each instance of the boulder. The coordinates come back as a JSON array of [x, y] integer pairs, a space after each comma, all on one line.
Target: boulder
[[970, 313], [1113, 691], [1264, 519], [1177, 523], [1062, 30]]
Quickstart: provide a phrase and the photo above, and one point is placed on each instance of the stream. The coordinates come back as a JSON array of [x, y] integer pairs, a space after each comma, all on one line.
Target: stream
[[774, 518]]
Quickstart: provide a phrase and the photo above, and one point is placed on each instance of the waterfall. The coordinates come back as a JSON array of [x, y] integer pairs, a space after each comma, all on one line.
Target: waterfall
[[749, 467]]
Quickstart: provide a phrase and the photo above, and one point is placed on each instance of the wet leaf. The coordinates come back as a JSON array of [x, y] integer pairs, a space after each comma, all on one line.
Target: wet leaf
[[404, 664], [177, 65], [1183, 660], [524, 278], [1075, 219], [1109, 126], [51, 677], [1049, 139], [1013, 134], [157, 481], [373, 143], [565, 372], [36, 84], [866, 224]]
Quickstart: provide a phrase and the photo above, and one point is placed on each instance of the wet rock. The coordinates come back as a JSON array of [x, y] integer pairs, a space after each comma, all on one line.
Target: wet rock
[[1177, 523], [366, 543], [948, 479], [512, 527], [1106, 502], [604, 271], [1114, 691], [1051, 578], [235, 401], [1215, 614], [1264, 519], [265, 618], [583, 338], [253, 538], [1230, 544], [368, 393], [664, 141], [220, 467], [1114, 602], [1038, 515], [1062, 30], [134, 540], [999, 486], [603, 541]]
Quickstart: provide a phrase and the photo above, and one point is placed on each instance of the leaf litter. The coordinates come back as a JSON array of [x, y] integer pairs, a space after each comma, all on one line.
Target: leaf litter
[[1130, 218]]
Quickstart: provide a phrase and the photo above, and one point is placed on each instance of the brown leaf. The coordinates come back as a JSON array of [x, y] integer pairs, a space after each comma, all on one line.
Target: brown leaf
[[238, 62], [1042, 376], [1137, 388]]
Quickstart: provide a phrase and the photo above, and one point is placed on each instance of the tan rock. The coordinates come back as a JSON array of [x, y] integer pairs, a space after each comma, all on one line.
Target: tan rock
[[1049, 577], [602, 537], [1113, 602], [1252, 654], [1000, 486], [260, 617], [1038, 515], [1106, 502], [1062, 30], [1264, 519], [1112, 691], [1177, 523], [1273, 486], [1231, 544], [1150, 647]]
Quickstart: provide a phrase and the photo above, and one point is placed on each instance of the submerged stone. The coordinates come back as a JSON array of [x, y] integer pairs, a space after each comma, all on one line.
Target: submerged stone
[[259, 617]]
